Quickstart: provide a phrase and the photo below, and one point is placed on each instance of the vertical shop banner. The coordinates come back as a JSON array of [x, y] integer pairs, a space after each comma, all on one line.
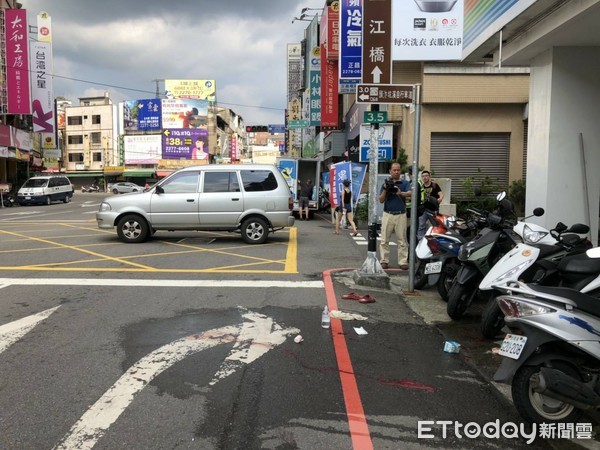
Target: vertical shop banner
[[346, 171], [330, 31], [315, 87], [234, 149], [329, 93], [359, 172], [350, 39], [422, 35], [42, 94], [44, 25], [17, 61]]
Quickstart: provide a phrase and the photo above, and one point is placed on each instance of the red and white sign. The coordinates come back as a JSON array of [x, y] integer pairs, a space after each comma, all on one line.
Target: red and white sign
[[329, 93]]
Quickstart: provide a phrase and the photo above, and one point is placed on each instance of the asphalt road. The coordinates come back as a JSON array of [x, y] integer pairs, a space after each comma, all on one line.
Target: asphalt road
[[187, 341]]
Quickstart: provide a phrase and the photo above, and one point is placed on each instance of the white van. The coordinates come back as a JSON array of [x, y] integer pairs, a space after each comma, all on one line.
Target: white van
[[45, 189], [253, 199]]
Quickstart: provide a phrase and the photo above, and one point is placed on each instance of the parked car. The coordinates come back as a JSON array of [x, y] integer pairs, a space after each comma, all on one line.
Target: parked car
[[252, 199], [45, 189], [124, 187]]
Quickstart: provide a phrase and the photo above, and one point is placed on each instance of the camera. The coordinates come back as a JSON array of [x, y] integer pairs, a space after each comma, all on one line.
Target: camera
[[390, 185]]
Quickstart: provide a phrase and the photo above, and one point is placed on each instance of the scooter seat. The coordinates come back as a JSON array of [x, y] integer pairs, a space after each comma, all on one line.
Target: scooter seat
[[581, 264], [584, 302]]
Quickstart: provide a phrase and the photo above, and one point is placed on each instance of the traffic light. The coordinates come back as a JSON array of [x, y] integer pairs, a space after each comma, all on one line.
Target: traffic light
[[257, 129]]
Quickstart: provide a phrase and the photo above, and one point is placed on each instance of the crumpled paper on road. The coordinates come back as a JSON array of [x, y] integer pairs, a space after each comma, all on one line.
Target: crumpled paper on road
[[336, 314]]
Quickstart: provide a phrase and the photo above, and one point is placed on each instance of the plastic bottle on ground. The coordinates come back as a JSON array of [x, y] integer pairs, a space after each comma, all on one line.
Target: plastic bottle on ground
[[325, 319]]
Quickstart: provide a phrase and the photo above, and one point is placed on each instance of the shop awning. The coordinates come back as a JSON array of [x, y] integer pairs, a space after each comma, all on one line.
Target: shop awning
[[84, 174], [138, 173]]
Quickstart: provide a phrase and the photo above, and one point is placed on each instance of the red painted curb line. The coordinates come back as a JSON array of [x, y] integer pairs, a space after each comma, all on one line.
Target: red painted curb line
[[357, 422]]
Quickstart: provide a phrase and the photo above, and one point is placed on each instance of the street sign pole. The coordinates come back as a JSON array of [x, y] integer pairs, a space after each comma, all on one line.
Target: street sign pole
[[414, 199]]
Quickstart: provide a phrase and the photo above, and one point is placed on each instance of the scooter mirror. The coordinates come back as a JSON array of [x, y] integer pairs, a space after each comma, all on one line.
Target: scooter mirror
[[538, 212], [579, 228], [501, 196]]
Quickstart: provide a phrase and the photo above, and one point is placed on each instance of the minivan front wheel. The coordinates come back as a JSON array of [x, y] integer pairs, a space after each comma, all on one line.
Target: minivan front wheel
[[132, 229], [255, 230]]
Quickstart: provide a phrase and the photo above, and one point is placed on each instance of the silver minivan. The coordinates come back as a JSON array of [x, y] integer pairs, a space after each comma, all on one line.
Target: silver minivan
[[253, 199]]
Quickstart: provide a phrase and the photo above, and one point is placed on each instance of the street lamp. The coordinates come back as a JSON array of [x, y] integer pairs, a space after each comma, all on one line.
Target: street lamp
[[304, 18]]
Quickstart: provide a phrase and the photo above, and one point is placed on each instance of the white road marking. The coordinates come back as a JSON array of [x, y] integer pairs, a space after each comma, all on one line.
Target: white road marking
[[253, 338], [13, 331], [158, 283]]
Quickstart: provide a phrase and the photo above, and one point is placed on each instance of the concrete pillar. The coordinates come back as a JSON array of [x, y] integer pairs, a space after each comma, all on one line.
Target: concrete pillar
[[564, 104]]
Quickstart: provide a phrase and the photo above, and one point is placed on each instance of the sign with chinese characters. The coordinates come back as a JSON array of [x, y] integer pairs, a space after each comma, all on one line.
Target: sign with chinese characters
[[351, 20], [184, 113], [17, 61], [330, 31], [385, 93], [421, 35], [185, 143], [199, 89], [42, 95], [142, 149], [329, 93], [377, 42], [314, 93], [384, 141]]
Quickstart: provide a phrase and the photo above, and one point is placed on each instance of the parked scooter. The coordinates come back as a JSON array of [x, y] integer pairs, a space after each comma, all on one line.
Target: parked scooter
[[480, 254], [554, 363], [531, 262], [438, 249], [7, 200], [91, 188]]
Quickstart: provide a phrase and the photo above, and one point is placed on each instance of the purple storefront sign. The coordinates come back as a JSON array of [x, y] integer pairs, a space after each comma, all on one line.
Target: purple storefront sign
[[17, 61], [185, 143], [351, 39]]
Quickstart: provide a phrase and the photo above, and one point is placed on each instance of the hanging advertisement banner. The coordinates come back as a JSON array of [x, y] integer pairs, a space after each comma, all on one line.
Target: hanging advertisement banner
[[350, 43], [314, 92], [42, 95], [44, 25], [329, 93], [142, 149], [17, 61]]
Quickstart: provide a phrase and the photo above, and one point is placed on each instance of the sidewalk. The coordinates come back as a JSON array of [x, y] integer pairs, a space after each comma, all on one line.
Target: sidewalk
[[475, 350]]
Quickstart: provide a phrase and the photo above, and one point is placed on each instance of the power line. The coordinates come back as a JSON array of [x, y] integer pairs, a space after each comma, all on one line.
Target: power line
[[150, 92]]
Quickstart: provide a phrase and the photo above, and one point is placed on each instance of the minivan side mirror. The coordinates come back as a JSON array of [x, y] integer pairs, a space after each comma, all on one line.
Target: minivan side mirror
[[159, 189]]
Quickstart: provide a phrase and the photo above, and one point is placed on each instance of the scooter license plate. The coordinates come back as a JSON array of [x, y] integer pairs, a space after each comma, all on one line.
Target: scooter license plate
[[512, 346], [434, 267]]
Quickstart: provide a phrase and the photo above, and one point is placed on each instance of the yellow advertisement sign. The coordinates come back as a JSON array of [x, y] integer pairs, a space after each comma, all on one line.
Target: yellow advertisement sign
[[179, 163], [200, 89]]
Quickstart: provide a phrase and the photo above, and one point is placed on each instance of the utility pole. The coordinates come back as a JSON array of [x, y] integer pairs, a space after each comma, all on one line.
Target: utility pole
[[157, 80]]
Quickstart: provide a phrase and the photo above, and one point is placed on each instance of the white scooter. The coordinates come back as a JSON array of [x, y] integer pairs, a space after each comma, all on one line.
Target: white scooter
[[534, 260], [553, 363]]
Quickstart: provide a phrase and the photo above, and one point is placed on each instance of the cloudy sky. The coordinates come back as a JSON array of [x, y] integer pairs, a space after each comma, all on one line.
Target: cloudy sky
[[121, 46]]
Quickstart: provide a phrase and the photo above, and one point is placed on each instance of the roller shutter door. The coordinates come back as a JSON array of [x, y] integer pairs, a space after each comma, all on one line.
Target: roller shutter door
[[478, 155]]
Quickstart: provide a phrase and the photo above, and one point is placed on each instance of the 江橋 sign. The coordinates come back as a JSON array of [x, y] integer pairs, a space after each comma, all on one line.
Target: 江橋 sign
[[17, 61]]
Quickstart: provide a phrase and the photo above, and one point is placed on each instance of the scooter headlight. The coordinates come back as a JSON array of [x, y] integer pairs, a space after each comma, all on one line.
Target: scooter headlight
[[512, 272], [533, 236]]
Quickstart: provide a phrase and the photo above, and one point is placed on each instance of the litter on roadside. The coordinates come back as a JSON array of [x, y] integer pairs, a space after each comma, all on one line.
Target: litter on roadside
[[451, 347], [298, 339], [336, 314], [360, 331]]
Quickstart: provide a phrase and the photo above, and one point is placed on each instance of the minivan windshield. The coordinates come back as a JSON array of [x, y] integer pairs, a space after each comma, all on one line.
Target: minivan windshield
[[36, 183]]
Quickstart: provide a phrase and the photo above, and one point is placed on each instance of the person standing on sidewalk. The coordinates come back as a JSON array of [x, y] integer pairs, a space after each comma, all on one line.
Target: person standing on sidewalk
[[305, 193], [346, 209], [393, 194], [429, 189]]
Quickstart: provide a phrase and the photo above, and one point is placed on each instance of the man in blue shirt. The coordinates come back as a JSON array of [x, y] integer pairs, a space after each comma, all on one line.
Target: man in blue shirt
[[393, 194]]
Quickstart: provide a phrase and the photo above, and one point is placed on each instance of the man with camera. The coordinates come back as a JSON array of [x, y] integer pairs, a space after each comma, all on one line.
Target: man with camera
[[393, 194]]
